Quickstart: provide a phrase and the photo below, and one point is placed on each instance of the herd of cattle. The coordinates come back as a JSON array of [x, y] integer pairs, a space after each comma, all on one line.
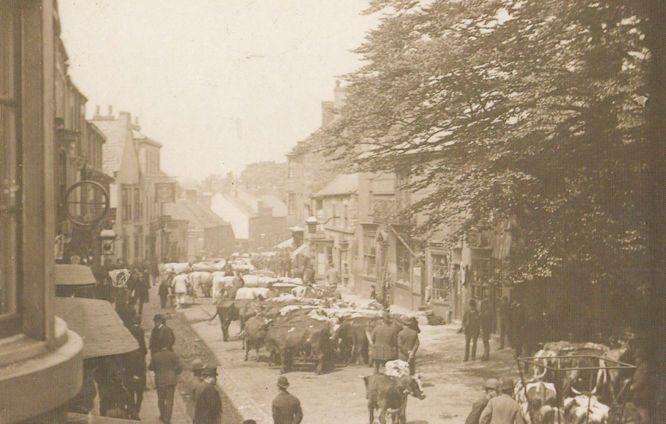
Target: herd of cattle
[[304, 326], [300, 325]]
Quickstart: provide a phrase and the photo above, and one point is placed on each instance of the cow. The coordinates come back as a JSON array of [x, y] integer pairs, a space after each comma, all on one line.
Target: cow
[[533, 397], [300, 335], [227, 312], [254, 334], [585, 409], [389, 396], [201, 280], [352, 338]]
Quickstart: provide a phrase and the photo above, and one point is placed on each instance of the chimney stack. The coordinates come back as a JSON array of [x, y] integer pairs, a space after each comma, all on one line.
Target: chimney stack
[[110, 110], [97, 110]]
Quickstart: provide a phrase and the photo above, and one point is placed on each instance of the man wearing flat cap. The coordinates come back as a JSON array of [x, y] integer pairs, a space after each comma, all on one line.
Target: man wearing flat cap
[[408, 343], [491, 388], [384, 342], [208, 404], [502, 409], [166, 367], [161, 336], [286, 407]]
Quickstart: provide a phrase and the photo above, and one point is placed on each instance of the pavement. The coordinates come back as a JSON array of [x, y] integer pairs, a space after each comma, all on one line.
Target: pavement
[[149, 413], [450, 384]]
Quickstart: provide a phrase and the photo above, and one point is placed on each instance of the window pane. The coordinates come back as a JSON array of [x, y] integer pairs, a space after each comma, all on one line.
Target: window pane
[[8, 161]]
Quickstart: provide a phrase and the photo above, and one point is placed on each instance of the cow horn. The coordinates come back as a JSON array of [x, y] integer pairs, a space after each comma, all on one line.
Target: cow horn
[[576, 392]]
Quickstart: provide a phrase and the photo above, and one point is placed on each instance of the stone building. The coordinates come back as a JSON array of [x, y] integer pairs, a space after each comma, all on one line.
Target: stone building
[[307, 168], [334, 243], [36, 347], [121, 162]]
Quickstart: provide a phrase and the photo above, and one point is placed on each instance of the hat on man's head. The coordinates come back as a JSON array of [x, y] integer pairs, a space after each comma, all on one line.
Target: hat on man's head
[[197, 366], [507, 384], [492, 383], [283, 382], [159, 318], [209, 372]]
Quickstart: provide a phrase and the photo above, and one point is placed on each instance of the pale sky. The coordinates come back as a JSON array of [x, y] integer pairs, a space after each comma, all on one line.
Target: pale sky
[[190, 68]]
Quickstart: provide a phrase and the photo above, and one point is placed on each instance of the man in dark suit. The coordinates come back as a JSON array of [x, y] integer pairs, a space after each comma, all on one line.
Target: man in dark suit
[[408, 343], [166, 367], [135, 369], [208, 405], [384, 342], [491, 388], [161, 335], [471, 326], [286, 407]]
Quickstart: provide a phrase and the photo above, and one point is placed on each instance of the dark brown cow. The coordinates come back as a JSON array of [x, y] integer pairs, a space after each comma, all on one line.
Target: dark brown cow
[[389, 396], [254, 334], [353, 340], [300, 336]]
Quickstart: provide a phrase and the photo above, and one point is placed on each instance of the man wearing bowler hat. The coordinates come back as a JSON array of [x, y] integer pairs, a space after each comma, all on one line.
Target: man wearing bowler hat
[[208, 405], [502, 409], [491, 389], [286, 407], [161, 336]]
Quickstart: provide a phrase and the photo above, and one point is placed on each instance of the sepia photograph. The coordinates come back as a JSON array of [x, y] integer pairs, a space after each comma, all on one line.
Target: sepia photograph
[[332, 211]]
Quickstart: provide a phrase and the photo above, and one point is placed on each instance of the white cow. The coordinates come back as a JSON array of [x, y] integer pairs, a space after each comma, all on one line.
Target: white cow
[[201, 280]]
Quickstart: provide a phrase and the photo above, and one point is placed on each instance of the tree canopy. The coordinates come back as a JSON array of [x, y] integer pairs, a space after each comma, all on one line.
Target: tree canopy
[[526, 109]]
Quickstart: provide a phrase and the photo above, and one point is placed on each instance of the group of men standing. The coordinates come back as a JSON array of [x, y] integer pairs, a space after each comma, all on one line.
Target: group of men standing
[[496, 406], [479, 322], [391, 341]]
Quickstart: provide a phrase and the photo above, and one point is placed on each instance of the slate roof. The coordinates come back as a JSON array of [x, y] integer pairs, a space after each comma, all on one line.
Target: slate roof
[[194, 213], [341, 184]]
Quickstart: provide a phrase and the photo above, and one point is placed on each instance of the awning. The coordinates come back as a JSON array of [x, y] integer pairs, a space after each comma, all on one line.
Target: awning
[[300, 250], [73, 275], [98, 324], [287, 244]]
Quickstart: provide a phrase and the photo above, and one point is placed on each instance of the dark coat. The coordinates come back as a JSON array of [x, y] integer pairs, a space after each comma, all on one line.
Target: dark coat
[[385, 342], [161, 337], [408, 339], [208, 405], [477, 409], [140, 337], [471, 323], [287, 409], [166, 366]]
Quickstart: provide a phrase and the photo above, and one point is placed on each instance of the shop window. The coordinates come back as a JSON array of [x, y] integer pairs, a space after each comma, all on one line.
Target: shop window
[[439, 277]]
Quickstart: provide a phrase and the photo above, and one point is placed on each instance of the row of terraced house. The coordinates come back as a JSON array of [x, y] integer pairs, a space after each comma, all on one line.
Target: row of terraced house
[[351, 222], [151, 217]]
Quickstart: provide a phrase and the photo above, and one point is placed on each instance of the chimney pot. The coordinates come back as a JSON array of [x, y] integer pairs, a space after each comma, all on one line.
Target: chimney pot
[[136, 120], [110, 110], [97, 110]]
